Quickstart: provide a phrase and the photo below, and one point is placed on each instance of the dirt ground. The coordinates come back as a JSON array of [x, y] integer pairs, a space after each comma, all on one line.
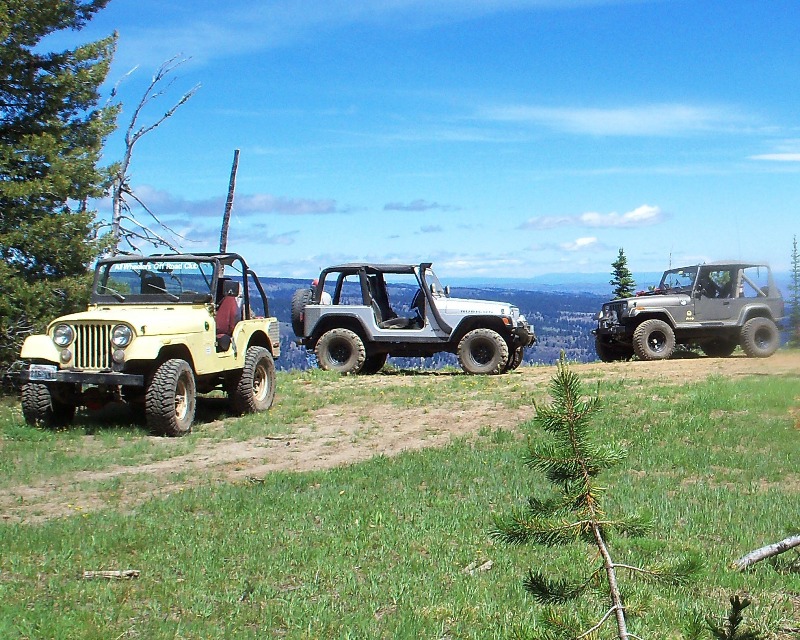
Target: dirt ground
[[338, 435]]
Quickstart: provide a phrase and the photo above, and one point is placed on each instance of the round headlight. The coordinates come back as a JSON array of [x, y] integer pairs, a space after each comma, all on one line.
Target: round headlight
[[63, 335], [121, 335]]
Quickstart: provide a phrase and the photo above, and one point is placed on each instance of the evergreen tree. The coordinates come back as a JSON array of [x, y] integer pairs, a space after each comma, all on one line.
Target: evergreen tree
[[51, 136], [572, 460], [794, 297], [621, 277]]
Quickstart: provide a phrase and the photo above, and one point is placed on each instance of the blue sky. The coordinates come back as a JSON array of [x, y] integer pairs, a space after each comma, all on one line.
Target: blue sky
[[496, 138]]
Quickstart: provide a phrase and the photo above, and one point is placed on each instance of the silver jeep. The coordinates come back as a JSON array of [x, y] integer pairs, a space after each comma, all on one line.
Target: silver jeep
[[716, 306], [348, 321]]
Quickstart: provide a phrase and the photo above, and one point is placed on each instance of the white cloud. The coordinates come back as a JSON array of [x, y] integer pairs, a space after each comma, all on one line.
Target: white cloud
[[639, 217], [209, 30], [642, 216], [645, 120], [162, 202], [417, 205], [580, 244], [778, 157]]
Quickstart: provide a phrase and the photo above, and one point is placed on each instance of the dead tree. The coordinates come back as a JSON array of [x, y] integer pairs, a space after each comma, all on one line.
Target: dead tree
[[226, 216], [126, 229]]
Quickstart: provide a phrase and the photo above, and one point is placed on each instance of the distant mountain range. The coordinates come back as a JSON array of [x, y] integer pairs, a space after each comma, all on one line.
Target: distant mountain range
[[594, 283], [562, 320], [560, 306]]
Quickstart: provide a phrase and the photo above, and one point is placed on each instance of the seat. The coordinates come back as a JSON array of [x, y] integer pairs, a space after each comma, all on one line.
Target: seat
[[227, 314], [380, 301]]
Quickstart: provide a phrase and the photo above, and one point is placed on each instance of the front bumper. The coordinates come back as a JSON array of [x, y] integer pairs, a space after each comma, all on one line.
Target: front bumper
[[50, 375], [611, 329], [523, 335]]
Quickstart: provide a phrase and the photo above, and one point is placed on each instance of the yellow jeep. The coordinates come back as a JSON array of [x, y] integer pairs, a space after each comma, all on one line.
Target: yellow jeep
[[158, 330]]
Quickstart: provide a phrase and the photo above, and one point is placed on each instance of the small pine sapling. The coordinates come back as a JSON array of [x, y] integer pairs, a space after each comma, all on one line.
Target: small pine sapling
[[732, 628], [572, 460]]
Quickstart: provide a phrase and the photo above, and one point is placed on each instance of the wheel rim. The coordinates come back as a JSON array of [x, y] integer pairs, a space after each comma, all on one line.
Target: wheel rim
[[260, 382], [763, 338], [657, 341], [181, 399], [482, 352], [340, 352]]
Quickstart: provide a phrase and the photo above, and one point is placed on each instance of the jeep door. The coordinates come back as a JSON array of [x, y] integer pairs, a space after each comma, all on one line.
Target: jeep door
[[716, 295]]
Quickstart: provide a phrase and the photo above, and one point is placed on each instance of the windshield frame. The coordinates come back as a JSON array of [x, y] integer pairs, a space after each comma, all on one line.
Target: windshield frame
[[146, 274]]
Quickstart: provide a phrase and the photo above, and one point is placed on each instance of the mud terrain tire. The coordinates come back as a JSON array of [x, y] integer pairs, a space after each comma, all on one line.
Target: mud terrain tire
[[40, 408], [760, 338], [653, 340], [719, 348], [300, 299], [341, 350], [253, 389], [171, 398], [483, 351], [514, 359], [374, 363]]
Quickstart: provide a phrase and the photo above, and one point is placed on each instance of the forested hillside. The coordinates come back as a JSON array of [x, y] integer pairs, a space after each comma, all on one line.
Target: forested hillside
[[561, 321]]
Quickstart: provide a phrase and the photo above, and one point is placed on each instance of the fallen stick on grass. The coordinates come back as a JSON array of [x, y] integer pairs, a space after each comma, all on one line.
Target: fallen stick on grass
[[767, 552], [111, 575]]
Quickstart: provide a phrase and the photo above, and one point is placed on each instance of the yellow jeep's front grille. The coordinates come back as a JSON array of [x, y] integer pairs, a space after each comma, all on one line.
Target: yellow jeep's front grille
[[92, 346]]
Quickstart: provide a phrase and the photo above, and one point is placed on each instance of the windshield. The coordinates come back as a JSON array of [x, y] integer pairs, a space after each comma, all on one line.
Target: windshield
[[679, 278], [155, 280], [434, 285]]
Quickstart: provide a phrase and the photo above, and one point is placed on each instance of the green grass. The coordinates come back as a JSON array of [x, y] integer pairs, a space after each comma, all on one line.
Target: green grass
[[378, 549]]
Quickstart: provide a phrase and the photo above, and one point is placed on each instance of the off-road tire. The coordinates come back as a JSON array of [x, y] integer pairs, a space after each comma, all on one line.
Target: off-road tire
[[341, 350], [760, 337], [611, 352], [653, 340], [719, 348], [482, 351], [514, 359], [253, 389], [171, 398], [300, 299], [40, 408], [374, 363]]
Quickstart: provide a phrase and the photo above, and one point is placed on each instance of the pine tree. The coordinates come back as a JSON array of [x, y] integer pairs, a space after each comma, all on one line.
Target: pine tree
[[572, 461], [621, 277], [51, 136], [794, 297]]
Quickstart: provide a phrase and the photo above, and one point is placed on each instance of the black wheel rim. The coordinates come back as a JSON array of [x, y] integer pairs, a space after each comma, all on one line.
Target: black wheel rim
[[763, 338], [482, 352], [657, 341], [340, 352]]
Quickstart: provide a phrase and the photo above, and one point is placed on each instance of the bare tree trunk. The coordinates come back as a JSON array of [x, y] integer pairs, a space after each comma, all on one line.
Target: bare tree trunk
[[226, 217], [611, 574], [767, 552]]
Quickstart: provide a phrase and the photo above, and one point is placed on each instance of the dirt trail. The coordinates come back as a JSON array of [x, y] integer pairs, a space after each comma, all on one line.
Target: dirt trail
[[339, 435]]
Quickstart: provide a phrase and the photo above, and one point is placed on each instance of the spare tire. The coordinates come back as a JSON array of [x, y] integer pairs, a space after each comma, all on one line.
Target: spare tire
[[300, 299]]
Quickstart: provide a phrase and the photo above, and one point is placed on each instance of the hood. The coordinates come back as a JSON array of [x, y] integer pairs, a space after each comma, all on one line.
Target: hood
[[478, 307], [156, 320], [656, 298]]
